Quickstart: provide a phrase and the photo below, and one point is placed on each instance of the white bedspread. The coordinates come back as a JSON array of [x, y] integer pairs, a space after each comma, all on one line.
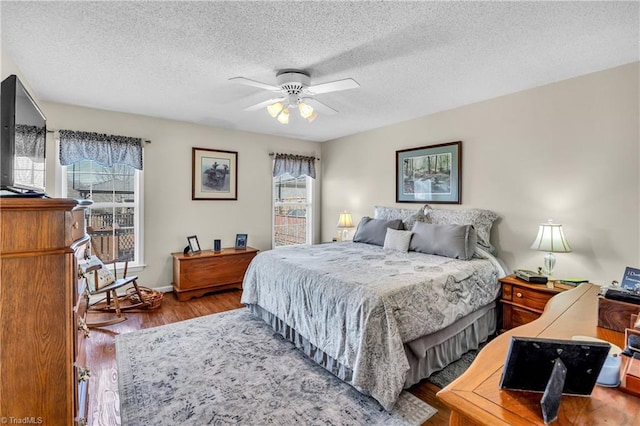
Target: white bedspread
[[359, 303]]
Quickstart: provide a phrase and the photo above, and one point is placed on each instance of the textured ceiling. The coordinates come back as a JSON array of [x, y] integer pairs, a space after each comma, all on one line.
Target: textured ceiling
[[174, 59]]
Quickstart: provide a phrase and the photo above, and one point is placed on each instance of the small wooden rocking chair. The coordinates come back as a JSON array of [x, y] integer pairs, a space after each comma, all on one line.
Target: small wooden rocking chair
[[104, 282]]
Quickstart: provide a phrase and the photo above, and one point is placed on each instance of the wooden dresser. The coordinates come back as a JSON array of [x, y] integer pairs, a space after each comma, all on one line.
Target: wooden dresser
[[42, 355], [199, 273], [523, 302], [475, 398]]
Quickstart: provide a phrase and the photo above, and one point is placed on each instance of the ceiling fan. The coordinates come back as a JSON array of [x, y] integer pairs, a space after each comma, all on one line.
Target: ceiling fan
[[296, 91]]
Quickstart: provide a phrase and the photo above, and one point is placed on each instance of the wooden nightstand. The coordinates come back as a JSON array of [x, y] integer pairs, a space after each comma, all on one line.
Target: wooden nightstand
[[523, 302]]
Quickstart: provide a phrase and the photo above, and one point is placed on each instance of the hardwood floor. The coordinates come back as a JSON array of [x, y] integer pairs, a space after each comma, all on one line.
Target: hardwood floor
[[104, 404]]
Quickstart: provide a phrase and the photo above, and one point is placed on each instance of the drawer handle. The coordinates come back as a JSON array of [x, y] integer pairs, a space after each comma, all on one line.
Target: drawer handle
[[83, 374], [75, 225], [518, 294]]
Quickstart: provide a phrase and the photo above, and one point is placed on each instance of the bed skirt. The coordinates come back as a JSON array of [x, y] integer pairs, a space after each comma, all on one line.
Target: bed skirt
[[426, 355]]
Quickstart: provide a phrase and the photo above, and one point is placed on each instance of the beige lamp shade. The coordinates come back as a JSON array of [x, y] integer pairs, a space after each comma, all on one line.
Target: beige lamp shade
[[345, 220], [551, 238]]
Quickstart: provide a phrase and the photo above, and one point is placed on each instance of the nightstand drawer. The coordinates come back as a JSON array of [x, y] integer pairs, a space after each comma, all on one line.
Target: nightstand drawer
[[532, 299], [515, 316], [523, 302]]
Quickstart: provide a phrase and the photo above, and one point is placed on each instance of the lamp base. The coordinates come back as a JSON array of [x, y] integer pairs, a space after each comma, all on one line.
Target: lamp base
[[345, 235], [549, 264]]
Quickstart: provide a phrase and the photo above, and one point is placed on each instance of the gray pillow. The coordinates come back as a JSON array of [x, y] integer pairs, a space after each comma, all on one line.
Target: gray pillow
[[373, 231], [407, 216], [456, 241]]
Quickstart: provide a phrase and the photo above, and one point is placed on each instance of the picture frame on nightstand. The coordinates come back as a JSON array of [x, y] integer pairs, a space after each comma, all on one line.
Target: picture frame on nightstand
[[241, 241], [194, 246]]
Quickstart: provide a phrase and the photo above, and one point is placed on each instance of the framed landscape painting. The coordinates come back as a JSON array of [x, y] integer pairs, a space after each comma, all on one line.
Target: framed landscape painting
[[214, 174], [429, 174]]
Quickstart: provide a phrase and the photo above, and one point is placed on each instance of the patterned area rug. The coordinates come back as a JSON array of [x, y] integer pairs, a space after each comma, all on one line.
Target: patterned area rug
[[232, 368]]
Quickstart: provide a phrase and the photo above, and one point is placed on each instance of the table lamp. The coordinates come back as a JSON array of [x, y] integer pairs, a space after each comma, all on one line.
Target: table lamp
[[550, 239], [344, 222]]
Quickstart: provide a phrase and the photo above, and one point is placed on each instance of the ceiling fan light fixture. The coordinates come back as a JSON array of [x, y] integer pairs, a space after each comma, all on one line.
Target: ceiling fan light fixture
[[306, 110], [283, 117], [275, 109]]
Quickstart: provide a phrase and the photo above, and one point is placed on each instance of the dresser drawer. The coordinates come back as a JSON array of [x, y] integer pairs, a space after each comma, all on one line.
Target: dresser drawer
[[78, 228]]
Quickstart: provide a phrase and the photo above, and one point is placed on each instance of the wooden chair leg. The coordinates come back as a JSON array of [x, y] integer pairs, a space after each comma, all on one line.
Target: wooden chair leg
[[116, 301]]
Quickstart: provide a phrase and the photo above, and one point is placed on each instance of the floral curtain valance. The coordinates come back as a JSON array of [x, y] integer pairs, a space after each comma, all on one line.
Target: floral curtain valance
[[295, 165], [30, 142], [105, 150]]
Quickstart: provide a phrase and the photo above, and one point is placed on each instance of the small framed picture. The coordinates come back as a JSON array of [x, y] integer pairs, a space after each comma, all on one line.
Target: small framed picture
[[241, 241], [194, 247]]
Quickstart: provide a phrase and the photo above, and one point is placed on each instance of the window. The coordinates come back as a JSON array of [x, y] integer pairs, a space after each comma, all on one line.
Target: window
[[28, 172], [292, 210], [114, 218]]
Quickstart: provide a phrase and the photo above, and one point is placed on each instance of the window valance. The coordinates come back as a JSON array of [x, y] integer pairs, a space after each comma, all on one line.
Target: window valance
[[295, 165], [105, 150]]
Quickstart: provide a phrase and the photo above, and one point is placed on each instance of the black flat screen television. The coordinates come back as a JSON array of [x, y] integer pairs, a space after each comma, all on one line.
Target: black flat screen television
[[23, 141]]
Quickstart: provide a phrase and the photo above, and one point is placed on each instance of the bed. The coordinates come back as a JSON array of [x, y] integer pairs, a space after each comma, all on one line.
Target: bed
[[379, 318]]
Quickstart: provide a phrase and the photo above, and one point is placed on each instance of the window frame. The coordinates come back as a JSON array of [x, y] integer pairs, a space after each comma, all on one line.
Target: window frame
[[138, 208]]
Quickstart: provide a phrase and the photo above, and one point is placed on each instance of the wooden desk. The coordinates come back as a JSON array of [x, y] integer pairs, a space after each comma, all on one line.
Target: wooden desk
[[199, 273], [475, 397]]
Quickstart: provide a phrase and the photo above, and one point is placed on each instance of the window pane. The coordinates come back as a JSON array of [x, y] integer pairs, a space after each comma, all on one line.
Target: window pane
[[290, 225], [111, 218], [290, 189], [292, 217], [112, 233]]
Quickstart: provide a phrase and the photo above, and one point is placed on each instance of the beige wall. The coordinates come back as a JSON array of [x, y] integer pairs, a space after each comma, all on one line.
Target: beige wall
[[567, 151], [169, 213]]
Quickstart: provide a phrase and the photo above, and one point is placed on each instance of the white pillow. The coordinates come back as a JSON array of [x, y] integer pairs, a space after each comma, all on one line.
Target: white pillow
[[397, 240]]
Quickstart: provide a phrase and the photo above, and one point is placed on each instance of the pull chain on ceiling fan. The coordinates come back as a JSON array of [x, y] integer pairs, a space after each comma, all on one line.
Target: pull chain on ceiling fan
[[296, 92]]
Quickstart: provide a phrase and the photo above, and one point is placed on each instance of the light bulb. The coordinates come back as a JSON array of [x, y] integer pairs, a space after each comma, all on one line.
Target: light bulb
[[305, 110], [274, 109], [284, 116]]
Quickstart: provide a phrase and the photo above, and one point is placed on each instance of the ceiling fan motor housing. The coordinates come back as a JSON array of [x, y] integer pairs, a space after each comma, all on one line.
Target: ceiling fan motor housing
[[293, 82]]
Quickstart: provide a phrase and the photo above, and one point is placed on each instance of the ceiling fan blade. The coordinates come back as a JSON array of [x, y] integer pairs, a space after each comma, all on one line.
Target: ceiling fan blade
[[249, 82], [319, 106], [333, 86], [263, 104]]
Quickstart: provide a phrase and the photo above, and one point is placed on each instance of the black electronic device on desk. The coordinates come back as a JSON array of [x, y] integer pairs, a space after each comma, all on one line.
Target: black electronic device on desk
[[530, 276], [623, 296]]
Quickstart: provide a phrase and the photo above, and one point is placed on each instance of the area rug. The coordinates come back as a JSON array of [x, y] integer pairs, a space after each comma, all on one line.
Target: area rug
[[232, 368], [451, 372]]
